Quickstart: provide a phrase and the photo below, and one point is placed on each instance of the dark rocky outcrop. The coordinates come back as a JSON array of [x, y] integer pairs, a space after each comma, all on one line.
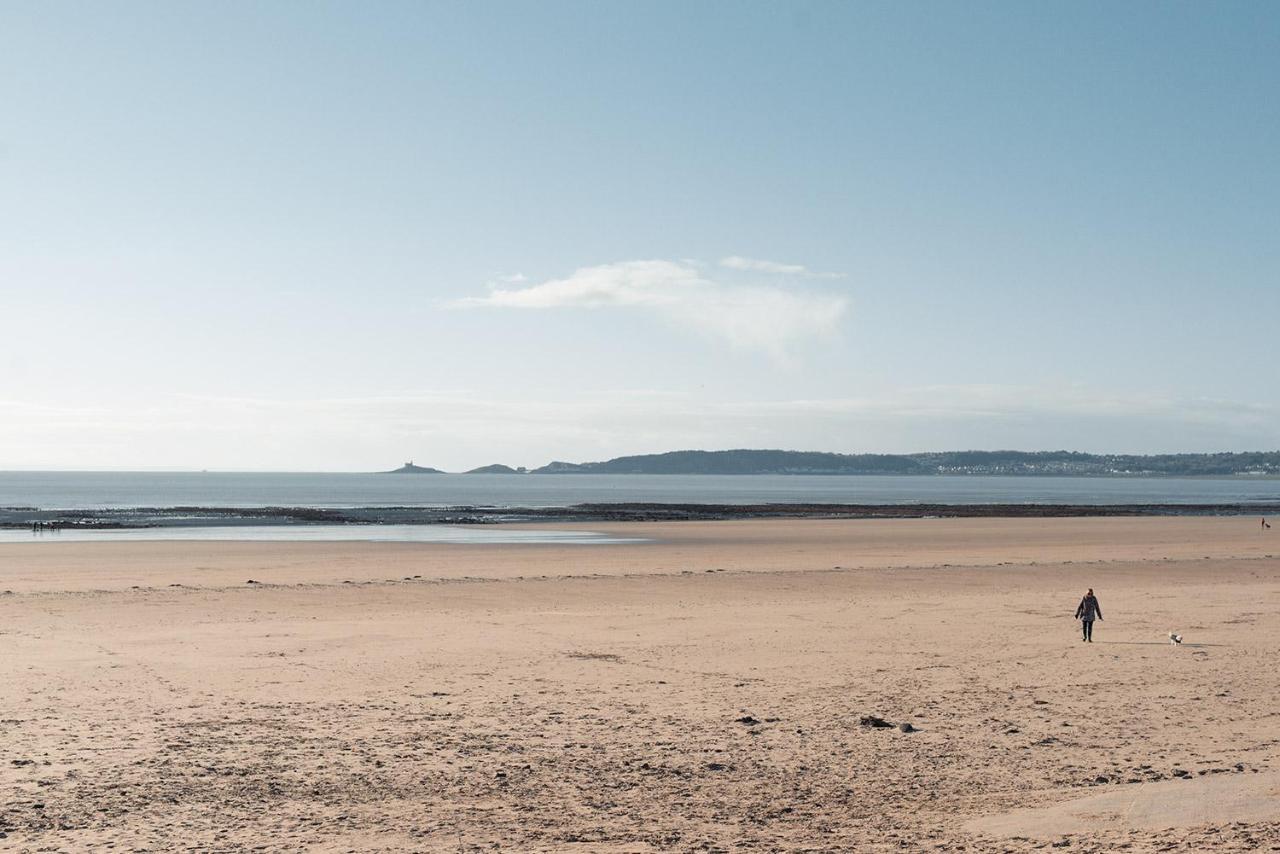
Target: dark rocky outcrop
[[410, 468]]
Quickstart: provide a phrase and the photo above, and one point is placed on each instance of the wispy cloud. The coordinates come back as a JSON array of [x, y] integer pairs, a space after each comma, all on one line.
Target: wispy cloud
[[758, 265], [989, 402], [756, 316]]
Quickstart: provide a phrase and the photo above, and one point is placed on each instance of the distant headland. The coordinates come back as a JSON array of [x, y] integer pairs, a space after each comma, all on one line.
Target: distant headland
[[1024, 463], [498, 468]]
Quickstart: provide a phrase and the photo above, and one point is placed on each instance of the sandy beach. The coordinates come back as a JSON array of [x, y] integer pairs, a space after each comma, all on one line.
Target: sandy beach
[[699, 691]]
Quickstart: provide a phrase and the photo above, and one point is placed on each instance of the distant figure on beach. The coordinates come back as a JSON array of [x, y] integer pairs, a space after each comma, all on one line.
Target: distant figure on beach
[[1086, 612], [1265, 523]]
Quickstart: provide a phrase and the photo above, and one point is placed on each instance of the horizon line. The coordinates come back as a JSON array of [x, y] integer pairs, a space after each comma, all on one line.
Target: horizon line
[[181, 469]]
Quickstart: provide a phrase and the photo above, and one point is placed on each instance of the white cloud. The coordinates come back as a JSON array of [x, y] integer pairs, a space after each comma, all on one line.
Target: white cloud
[[758, 265], [756, 316], [652, 283]]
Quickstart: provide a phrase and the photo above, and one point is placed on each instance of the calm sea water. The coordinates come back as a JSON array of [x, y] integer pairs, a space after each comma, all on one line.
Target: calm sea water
[[102, 490]]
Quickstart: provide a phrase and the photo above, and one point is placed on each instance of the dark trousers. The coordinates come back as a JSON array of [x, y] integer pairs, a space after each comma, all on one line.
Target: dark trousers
[[1088, 630]]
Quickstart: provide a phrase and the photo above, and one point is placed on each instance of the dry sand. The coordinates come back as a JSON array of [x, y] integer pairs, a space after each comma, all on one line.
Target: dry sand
[[632, 698]]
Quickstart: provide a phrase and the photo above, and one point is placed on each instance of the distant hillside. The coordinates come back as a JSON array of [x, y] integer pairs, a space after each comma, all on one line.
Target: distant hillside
[[947, 462], [496, 468], [410, 468], [743, 462]]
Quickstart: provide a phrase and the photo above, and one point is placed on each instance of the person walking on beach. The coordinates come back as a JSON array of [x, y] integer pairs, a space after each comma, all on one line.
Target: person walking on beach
[[1086, 612]]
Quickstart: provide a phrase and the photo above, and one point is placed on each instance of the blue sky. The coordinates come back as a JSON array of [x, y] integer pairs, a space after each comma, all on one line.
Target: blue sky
[[332, 236]]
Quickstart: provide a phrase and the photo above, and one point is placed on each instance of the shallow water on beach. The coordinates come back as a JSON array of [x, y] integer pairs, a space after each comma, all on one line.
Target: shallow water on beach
[[453, 534]]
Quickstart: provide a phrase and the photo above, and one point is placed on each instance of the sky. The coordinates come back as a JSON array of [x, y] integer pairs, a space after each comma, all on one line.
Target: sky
[[336, 236]]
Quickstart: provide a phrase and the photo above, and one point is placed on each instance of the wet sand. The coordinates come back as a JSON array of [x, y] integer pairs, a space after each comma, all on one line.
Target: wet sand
[[701, 691]]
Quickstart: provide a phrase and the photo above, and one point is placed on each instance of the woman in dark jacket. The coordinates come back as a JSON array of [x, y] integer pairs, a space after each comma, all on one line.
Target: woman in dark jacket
[[1086, 612]]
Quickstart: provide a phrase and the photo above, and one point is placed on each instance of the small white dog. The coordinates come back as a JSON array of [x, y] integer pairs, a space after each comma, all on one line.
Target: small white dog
[[1175, 638]]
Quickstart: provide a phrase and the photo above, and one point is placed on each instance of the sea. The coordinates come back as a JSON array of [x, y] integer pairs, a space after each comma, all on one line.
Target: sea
[[104, 490], [119, 490]]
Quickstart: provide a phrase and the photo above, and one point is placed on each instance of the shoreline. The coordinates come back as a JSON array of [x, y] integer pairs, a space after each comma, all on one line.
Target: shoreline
[[199, 516], [639, 549]]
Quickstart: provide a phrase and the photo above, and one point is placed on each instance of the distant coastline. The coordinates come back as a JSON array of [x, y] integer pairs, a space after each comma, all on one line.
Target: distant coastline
[[1013, 463]]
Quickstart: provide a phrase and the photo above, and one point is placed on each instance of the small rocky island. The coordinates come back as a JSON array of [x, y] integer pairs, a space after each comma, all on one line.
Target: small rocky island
[[410, 468], [498, 468]]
